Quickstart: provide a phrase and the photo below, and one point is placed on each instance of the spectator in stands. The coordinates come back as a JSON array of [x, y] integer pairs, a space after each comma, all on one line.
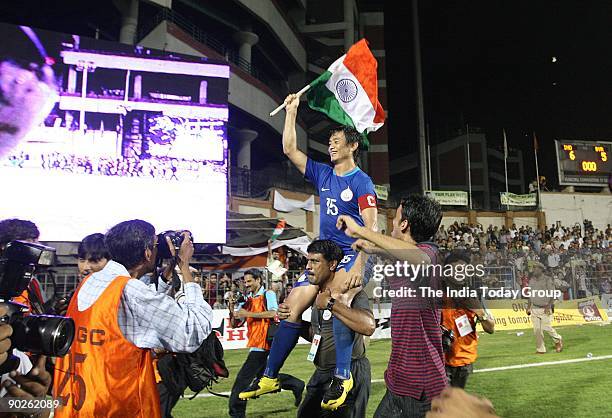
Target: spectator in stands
[[212, 288], [288, 290], [441, 235], [293, 261]]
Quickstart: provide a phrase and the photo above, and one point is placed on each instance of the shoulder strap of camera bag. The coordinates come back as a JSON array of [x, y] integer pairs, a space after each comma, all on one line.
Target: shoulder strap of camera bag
[[272, 323]]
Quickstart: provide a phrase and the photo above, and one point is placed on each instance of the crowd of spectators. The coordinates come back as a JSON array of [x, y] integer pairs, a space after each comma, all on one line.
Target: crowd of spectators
[[218, 287], [578, 257], [155, 167]]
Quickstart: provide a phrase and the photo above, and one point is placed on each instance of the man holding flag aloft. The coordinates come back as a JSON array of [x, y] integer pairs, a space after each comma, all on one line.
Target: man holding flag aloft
[[347, 93]]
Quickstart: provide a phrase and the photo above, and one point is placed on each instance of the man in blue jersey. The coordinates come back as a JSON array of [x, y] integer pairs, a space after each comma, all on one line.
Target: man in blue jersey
[[344, 190]]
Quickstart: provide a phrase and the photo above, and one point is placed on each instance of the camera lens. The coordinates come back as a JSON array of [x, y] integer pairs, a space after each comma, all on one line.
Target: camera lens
[[44, 334]]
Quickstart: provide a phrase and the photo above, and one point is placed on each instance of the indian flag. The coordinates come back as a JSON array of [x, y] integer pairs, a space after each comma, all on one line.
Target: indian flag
[[280, 227], [348, 91]]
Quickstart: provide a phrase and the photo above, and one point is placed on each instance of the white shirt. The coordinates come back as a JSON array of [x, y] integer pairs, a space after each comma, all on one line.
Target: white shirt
[[151, 319], [553, 260]]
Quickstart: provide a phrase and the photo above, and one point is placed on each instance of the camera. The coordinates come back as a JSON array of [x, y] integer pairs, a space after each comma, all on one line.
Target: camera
[[448, 336], [38, 334], [176, 238], [239, 297]]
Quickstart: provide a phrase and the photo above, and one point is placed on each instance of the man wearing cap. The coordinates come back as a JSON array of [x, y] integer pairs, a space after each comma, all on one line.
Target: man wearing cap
[[540, 308]]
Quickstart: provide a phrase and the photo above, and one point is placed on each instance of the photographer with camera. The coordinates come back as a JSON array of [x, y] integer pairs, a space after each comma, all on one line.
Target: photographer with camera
[[120, 320], [24, 382], [259, 310], [11, 230], [459, 317], [42, 335], [27, 231]]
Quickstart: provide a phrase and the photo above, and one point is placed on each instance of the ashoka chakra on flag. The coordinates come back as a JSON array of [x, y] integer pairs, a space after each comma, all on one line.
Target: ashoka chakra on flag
[[346, 89]]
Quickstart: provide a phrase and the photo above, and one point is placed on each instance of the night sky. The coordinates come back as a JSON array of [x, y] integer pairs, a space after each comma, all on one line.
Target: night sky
[[489, 64]]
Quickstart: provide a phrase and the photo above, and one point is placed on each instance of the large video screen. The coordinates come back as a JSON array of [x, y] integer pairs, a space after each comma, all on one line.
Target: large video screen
[[93, 133]]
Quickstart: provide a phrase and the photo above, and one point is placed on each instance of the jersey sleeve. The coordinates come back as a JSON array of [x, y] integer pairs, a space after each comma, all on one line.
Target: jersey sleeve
[[271, 301], [314, 171], [366, 195]]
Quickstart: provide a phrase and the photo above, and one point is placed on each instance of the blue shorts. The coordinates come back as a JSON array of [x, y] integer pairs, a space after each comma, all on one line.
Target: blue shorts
[[347, 262]]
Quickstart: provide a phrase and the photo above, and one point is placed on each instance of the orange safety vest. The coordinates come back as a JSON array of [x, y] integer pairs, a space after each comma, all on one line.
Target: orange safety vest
[[24, 299], [257, 328], [104, 374], [464, 350]]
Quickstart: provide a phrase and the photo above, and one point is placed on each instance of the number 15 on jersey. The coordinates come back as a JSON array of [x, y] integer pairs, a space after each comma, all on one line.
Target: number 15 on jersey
[[332, 209]]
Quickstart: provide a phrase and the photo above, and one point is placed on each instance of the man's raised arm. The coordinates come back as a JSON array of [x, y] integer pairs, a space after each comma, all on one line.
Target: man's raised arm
[[297, 157], [395, 248]]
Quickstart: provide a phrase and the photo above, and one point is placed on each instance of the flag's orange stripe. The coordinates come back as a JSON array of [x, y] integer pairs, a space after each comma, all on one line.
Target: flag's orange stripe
[[360, 61]]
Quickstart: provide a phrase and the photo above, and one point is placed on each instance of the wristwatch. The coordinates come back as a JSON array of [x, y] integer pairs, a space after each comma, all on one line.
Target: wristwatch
[[330, 304]]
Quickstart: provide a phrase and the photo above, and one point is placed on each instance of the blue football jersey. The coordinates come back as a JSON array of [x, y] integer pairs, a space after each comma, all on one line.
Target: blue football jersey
[[340, 195]]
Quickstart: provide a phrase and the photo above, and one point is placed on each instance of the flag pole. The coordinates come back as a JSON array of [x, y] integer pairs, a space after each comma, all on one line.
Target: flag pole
[[506, 167], [283, 105], [535, 152], [428, 159], [469, 163], [419, 96]]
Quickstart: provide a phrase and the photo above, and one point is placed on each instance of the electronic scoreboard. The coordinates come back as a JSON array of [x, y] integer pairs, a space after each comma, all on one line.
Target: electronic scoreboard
[[583, 163]]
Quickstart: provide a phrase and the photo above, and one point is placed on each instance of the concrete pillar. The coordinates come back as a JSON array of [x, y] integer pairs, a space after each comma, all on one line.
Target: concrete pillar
[[472, 219], [309, 221], [509, 218], [245, 40], [129, 21], [541, 216], [138, 87], [203, 92], [244, 137], [72, 80]]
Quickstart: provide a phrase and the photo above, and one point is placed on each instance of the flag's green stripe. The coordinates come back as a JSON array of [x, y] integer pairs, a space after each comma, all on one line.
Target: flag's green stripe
[[320, 98]]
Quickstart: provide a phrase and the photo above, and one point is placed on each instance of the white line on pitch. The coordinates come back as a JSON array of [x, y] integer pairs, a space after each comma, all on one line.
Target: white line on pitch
[[545, 363], [492, 369]]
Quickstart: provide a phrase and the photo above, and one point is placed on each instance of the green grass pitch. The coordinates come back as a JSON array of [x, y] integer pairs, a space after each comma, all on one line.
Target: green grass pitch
[[580, 389]]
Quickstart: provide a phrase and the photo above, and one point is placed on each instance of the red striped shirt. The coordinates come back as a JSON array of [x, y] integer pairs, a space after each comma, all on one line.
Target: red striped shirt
[[416, 366]]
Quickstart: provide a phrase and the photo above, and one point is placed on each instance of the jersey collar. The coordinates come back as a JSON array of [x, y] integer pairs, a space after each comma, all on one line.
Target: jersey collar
[[350, 173]]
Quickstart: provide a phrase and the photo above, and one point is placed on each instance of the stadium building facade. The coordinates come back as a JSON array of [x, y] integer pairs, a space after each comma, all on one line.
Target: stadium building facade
[[449, 168], [274, 48]]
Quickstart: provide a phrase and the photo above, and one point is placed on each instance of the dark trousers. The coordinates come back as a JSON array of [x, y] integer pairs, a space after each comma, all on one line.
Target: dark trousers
[[167, 400], [356, 401], [252, 368], [394, 406], [457, 376]]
